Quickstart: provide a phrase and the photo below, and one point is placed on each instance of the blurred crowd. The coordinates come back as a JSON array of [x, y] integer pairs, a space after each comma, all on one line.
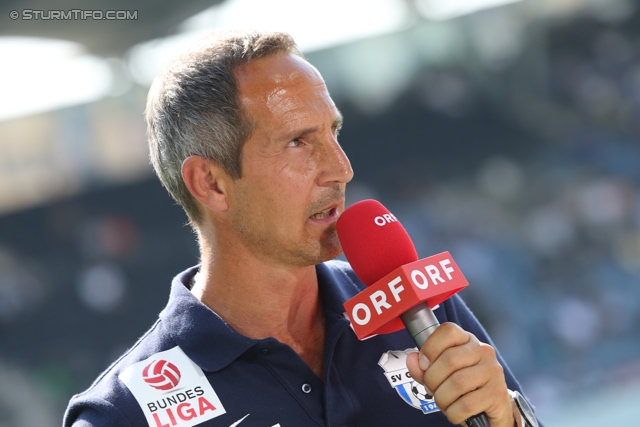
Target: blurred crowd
[[553, 260], [549, 236], [80, 281]]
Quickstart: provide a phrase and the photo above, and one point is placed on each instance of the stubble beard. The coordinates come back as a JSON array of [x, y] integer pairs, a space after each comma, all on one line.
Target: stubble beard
[[300, 254], [310, 251]]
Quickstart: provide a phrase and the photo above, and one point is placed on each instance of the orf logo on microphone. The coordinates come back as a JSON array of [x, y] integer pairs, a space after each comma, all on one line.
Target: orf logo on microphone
[[385, 219], [161, 374]]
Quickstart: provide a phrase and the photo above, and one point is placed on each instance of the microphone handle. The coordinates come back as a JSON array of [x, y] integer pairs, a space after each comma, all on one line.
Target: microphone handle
[[421, 322]]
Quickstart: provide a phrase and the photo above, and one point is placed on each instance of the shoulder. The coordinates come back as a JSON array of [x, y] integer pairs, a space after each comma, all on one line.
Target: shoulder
[[456, 310], [108, 401]]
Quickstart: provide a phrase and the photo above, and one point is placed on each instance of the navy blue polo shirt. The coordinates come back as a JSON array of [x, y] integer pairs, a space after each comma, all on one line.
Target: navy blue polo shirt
[[191, 368]]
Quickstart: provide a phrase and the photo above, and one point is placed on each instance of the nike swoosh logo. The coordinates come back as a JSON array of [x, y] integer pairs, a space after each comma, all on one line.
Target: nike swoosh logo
[[239, 421]]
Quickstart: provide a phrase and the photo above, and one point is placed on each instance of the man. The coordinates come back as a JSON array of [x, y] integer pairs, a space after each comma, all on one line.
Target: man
[[243, 133]]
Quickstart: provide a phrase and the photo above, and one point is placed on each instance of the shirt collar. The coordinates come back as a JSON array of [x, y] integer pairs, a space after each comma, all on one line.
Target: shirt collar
[[207, 339], [338, 283], [212, 344]]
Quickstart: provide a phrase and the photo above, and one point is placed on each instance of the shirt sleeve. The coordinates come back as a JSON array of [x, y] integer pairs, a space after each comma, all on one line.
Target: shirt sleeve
[[93, 412]]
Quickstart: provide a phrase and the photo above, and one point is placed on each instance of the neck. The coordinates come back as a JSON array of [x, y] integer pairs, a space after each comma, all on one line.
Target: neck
[[260, 300]]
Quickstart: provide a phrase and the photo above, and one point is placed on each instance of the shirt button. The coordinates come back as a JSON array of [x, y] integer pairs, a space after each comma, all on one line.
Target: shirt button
[[265, 351], [306, 388]]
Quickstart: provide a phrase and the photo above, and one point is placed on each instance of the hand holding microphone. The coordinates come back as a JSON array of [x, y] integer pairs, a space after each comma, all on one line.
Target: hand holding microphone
[[463, 374]]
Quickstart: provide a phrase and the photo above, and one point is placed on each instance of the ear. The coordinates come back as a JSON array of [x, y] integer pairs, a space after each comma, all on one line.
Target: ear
[[206, 181]]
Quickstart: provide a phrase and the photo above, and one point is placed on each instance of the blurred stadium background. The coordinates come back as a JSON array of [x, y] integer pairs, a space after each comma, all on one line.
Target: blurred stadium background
[[504, 131]]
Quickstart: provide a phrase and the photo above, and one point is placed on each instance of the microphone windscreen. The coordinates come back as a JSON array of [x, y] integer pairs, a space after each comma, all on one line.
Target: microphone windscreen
[[373, 240]]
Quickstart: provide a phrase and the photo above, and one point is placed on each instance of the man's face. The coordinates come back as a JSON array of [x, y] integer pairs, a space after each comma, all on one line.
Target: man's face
[[294, 172]]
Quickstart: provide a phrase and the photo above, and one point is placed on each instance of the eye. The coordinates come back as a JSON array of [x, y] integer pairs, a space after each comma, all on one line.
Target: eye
[[295, 143], [336, 131]]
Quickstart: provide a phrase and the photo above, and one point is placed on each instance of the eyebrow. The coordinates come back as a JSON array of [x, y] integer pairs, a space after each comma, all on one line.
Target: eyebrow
[[337, 124]]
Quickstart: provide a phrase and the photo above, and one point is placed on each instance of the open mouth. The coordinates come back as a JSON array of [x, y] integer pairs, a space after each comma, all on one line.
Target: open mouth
[[327, 213]]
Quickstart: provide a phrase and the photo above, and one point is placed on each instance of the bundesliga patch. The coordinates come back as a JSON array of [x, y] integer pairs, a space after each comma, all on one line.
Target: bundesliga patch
[[412, 392], [172, 390]]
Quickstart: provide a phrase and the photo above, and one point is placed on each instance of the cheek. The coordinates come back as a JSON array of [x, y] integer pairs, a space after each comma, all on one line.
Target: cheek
[[284, 186], [277, 197], [301, 167], [290, 193]]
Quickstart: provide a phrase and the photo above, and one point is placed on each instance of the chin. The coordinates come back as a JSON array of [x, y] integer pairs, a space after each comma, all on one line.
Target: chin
[[326, 249], [329, 255], [330, 250]]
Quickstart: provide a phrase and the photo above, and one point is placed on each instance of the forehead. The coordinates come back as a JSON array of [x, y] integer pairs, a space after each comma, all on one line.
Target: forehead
[[279, 85]]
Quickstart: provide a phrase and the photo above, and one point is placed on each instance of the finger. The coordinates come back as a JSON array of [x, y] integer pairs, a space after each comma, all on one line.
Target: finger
[[457, 358], [445, 336], [465, 407], [492, 399], [468, 380], [417, 363]]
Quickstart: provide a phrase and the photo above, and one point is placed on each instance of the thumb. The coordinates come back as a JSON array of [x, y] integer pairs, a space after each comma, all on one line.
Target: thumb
[[417, 364]]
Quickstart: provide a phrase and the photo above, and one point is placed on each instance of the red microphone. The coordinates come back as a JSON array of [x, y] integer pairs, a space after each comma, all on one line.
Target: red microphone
[[401, 289]]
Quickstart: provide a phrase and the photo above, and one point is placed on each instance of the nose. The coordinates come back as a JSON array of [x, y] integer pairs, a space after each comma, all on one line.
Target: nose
[[337, 167]]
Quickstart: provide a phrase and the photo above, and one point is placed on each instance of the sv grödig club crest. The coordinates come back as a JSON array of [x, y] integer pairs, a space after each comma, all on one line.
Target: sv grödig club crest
[[394, 364]]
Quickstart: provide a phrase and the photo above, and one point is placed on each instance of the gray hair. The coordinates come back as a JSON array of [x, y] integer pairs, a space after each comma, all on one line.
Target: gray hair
[[193, 108]]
